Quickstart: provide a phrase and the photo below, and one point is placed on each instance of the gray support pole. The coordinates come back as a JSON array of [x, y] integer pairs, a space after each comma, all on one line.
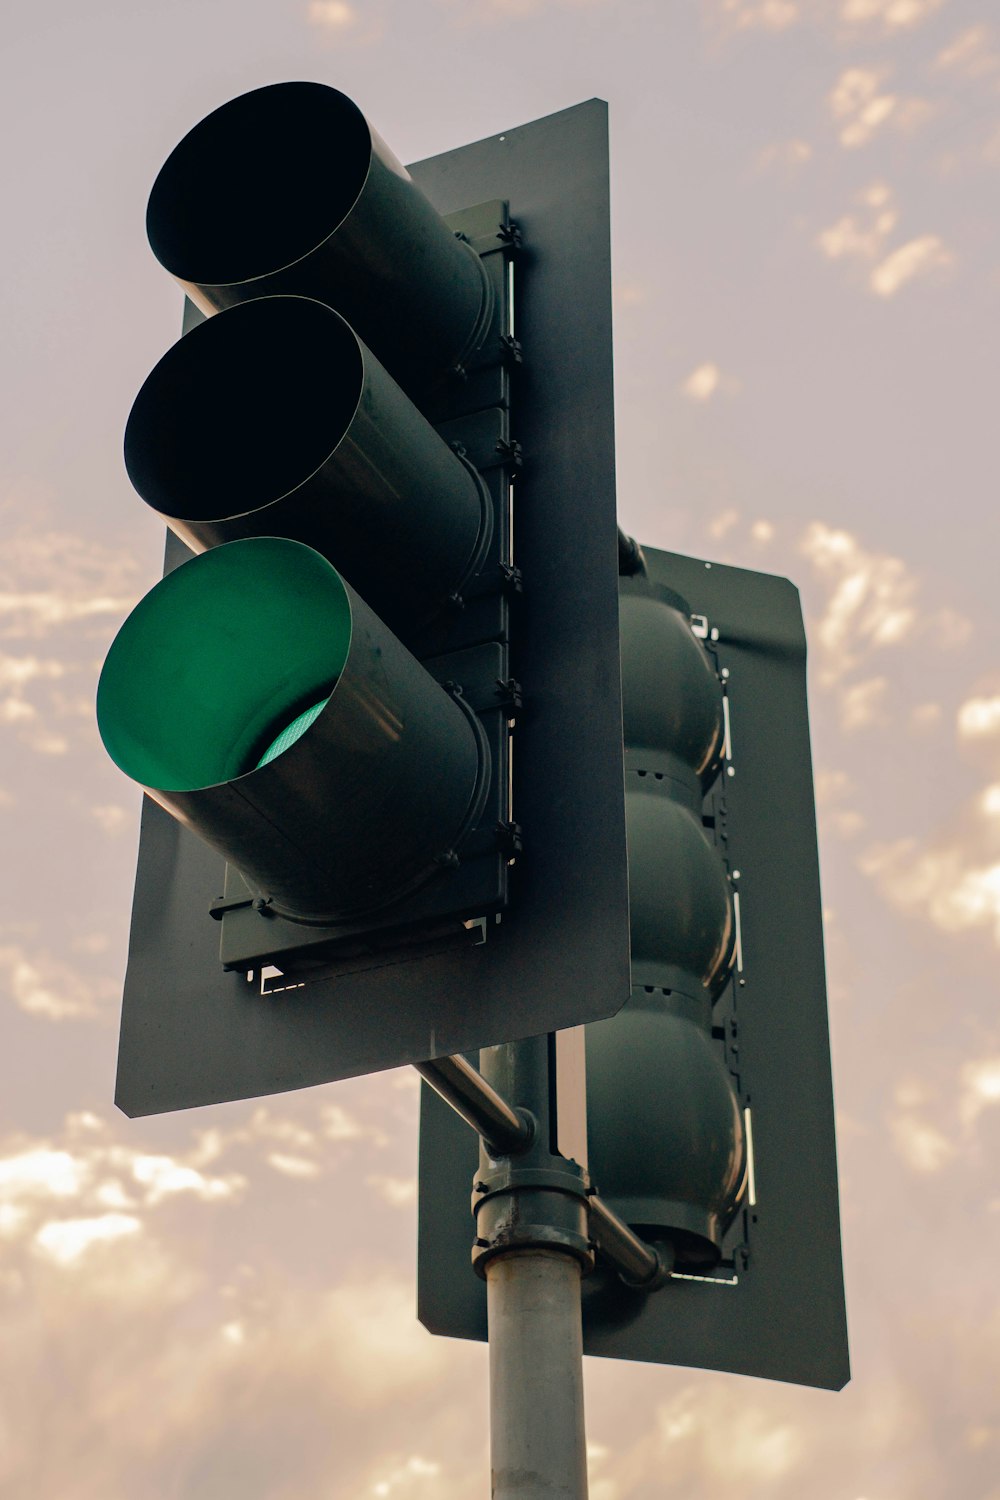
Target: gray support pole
[[537, 1435], [532, 1245]]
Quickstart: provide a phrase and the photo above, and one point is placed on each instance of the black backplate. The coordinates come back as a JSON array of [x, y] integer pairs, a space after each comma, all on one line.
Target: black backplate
[[779, 1312], [192, 1034]]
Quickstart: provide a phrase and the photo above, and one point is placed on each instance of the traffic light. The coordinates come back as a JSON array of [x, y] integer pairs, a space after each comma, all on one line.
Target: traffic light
[[674, 1164], [709, 1097], [374, 833]]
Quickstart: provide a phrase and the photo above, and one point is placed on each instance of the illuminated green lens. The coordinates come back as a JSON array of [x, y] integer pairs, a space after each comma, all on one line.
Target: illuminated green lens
[[223, 654], [292, 732]]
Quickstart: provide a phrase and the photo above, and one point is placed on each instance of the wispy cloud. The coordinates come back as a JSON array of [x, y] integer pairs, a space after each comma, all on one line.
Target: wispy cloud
[[888, 15], [970, 54], [90, 1188], [760, 15], [980, 1089], [979, 718], [862, 236], [336, 14], [871, 602], [917, 258], [498, 10], [65, 1240], [951, 878], [863, 233], [44, 986], [841, 18], [54, 579], [787, 157], [871, 606], [945, 883], [835, 794], [702, 383], [859, 106], [398, 1192], [707, 380]]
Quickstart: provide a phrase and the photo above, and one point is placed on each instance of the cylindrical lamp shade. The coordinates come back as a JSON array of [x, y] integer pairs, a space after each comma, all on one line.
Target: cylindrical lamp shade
[[273, 419], [288, 189], [259, 700], [680, 903], [673, 1162], [671, 697]]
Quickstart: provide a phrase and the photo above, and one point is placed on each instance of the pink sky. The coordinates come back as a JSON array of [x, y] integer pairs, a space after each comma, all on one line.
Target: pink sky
[[807, 276]]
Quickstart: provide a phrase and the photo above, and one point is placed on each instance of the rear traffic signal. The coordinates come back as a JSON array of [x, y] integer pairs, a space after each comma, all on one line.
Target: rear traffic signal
[[709, 1099], [673, 1163]]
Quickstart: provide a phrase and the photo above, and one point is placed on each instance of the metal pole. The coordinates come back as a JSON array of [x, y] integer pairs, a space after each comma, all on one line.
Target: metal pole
[[537, 1226], [466, 1090], [645, 1267], [537, 1435]]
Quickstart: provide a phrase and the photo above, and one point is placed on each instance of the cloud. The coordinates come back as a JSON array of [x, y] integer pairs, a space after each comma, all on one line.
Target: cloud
[[970, 54], [862, 703], [336, 14], [952, 878], [723, 522], [404, 1476], [39, 1172], [871, 602], [980, 1088], [19, 674], [702, 382], [926, 716], [922, 1146], [945, 883], [496, 10], [890, 15], [162, 1177], [398, 1192], [628, 294], [760, 15], [111, 818], [70, 593], [833, 790], [858, 106], [979, 719], [90, 1169], [917, 258], [788, 157], [65, 1240], [763, 1447], [871, 607], [863, 236], [705, 381], [292, 1149], [292, 1166], [49, 580], [46, 987]]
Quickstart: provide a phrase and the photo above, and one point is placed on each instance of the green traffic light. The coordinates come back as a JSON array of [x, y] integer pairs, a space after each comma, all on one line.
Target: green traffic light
[[218, 656], [259, 700]]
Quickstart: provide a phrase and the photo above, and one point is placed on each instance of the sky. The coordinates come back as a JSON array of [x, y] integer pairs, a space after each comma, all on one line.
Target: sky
[[806, 254]]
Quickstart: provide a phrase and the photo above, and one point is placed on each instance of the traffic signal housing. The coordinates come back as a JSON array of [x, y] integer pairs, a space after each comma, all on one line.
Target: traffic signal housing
[[709, 1096], [374, 832]]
